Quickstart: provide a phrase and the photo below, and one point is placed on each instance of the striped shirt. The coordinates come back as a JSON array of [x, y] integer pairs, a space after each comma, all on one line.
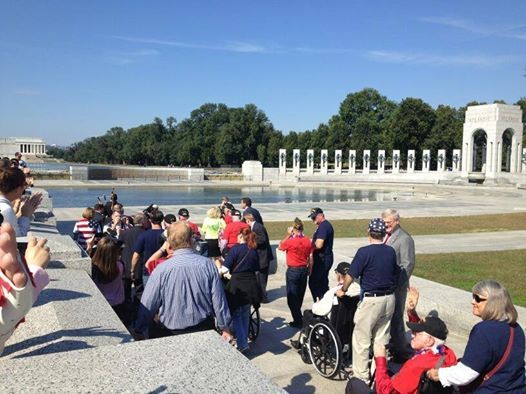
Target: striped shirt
[[184, 290], [83, 231]]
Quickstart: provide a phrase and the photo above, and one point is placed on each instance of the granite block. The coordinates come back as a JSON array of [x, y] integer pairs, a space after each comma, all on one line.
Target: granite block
[[69, 314], [191, 363]]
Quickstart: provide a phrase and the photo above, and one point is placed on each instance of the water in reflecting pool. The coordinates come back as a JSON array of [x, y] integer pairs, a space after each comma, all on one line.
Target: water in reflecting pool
[[65, 197]]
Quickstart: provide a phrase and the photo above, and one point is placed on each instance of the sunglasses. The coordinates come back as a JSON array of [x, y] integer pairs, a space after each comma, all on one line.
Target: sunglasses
[[478, 299]]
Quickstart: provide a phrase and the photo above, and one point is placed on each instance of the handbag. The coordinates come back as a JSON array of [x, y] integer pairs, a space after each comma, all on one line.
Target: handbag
[[429, 386], [471, 387], [228, 285]]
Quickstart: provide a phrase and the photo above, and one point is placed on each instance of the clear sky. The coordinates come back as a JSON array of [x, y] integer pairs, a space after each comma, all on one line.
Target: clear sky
[[73, 69]]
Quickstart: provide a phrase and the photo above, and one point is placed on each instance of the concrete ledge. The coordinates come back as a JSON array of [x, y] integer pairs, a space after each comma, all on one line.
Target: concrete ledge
[[70, 314], [191, 363]]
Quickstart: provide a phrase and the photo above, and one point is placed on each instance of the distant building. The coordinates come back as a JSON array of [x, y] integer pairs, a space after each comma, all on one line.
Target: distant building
[[28, 146]]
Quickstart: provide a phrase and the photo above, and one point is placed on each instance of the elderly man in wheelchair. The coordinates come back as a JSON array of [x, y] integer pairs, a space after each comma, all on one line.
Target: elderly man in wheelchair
[[325, 339]]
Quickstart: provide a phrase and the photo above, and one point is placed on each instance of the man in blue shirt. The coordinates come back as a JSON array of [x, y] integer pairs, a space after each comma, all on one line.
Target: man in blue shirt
[[376, 268], [322, 255], [147, 244], [185, 291]]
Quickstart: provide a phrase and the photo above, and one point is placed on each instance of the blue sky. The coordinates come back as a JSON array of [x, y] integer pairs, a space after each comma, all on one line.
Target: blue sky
[[72, 69]]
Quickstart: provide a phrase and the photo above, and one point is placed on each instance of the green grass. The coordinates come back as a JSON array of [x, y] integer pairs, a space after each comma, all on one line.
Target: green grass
[[416, 226], [463, 270]]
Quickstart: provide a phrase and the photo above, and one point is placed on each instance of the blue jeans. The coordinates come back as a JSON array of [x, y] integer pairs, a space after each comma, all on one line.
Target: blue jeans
[[240, 318], [296, 285]]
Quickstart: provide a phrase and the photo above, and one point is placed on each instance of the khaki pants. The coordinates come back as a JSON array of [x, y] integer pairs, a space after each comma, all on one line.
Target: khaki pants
[[372, 324]]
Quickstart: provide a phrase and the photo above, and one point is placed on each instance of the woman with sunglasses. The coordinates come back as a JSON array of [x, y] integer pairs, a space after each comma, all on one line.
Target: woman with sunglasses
[[494, 356], [12, 187]]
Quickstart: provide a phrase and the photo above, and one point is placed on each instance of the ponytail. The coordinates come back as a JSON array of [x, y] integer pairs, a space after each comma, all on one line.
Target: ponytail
[[250, 238]]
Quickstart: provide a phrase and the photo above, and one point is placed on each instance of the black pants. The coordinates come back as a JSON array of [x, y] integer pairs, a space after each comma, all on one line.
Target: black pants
[[296, 278], [158, 330], [262, 276], [319, 277]]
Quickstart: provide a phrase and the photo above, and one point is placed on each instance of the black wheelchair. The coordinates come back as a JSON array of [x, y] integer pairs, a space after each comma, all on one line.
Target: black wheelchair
[[254, 323], [321, 347]]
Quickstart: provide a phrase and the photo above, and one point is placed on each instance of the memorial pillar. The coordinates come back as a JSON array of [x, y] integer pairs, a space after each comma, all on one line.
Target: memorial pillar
[[411, 161], [456, 160], [381, 162], [366, 161], [310, 161], [426, 160], [396, 161], [352, 161], [324, 161], [441, 160], [283, 161], [296, 161], [337, 161], [523, 161]]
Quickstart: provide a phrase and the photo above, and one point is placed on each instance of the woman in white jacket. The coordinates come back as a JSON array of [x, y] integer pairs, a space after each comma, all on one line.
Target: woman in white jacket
[[12, 187]]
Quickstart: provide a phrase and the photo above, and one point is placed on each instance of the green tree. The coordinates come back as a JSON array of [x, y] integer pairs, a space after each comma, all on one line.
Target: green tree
[[410, 126], [446, 133]]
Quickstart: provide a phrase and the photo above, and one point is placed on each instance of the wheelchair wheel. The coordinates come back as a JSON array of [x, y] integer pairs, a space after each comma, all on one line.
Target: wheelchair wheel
[[325, 349], [254, 323]]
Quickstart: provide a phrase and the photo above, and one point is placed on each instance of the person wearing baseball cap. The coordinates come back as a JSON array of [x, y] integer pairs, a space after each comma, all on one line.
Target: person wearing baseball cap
[[322, 255], [375, 266], [184, 215], [429, 351]]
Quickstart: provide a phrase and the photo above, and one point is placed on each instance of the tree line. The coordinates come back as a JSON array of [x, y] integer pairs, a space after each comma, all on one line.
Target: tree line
[[217, 135]]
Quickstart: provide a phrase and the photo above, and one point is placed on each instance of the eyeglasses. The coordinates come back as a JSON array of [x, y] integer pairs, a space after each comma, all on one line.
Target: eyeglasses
[[478, 299]]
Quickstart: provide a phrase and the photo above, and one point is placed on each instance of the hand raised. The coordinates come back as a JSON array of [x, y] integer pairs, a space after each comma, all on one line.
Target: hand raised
[[37, 252]]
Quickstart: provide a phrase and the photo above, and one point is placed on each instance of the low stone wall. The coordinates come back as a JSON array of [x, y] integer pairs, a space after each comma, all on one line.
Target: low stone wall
[[101, 172]]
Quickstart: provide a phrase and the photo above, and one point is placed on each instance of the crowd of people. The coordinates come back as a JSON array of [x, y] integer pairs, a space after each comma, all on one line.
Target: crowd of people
[[165, 275]]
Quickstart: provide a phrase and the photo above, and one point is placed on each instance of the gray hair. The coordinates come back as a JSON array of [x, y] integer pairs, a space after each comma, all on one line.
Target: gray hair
[[391, 212], [499, 305]]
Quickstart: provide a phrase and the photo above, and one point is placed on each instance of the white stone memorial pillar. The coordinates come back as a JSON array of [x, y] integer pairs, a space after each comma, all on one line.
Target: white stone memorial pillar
[[283, 161], [426, 160], [441, 160], [456, 160], [396, 161], [411, 159], [352, 161], [324, 161], [523, 160], [366, 161], [381, 162], [310, 161], [296, 161], [337, 161]]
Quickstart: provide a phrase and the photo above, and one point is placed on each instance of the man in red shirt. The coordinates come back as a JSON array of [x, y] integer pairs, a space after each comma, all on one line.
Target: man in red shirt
[[232, 230], [298, 248], [184, 215]]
